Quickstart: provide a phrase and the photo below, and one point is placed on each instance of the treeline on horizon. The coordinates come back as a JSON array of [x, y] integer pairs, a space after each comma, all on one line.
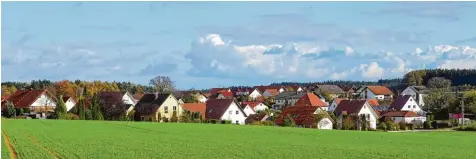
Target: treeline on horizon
[[458, 77]]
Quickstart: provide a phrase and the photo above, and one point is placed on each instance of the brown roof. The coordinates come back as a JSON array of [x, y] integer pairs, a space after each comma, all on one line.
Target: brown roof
[[373, 102], [272, 92], [215, 108], [310, 99], [196, 107], [25, 98], [256, 117], [400, 114], [400, 102], [138, 95], [218, 90], [263, 88], [301, 115], [251, 104], [380, 90], [149, 103], [347, 88], [350, 106]]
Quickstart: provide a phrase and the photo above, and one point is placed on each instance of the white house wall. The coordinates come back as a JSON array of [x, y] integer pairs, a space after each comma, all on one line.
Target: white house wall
[[325, 124], [127, 99], [373, 118], [248, 111], [333, 106], [261, 107], [255, 94], [234, 117], [44, 100], [70, 104], [411, 105], [202, 99]]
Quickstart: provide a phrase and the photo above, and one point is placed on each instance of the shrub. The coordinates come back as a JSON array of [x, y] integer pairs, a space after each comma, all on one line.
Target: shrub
[[382, 126], [222, 121], [471, 127], [165, 119], [20, 117], [426, 125], [402, 125], [348, 124], [174, 117], [411, 126], [213, 121], [72, 116], [434, 125], [228, 121]]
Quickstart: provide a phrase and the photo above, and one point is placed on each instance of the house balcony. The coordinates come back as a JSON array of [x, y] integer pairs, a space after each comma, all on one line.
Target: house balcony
[[42, 109]]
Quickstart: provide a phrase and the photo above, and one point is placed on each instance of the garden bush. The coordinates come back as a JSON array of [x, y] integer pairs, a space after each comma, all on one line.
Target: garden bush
[[471, 127], [382, 126], [402, 125], [165, 119], [426, 125]]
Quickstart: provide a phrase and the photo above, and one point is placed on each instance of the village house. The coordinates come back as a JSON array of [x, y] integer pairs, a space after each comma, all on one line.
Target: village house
[[214, 91], [356, 108], [262, 89], [225, 95], [376, 92], [242, 92], [69, 102], [405, 103], [408, 117], [196, 108], [253, 107], [294, 88], [199, 96], [334, 104], [225, 109], [418, 93], [269, 92], [286, 99], [137, 96], [305, 116], [118, 99], [310, 99], [348, 90], [255, 93], [40, 103], [260, 117], [150, 106], [333, 90]]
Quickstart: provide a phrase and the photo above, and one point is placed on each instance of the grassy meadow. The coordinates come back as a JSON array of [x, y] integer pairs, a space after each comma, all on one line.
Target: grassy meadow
[[102, 139]]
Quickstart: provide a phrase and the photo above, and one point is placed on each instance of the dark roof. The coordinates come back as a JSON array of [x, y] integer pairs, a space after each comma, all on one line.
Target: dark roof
[[347, 88], [256, 117], [381, 108], [301, 115], [331, 88], [149, 103], [420, 89], [217, 107], [217, 90], [25, 98], [400, 102], [350, 106]]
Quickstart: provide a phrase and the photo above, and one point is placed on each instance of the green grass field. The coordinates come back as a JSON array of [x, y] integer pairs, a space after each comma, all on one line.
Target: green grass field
[[96, 139]]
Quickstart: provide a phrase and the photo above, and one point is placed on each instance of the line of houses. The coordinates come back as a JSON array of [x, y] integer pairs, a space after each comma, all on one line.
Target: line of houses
[[296, 104]]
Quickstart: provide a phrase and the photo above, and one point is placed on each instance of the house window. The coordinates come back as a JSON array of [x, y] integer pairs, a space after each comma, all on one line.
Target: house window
[[411, 99], [166, 109], [237, 122], [237, 112], [393, 119], [414, 106], [174, 108], [230, 112], [408, 106]]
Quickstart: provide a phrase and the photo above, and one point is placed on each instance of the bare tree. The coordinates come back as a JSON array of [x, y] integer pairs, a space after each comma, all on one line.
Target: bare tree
[[163, 84]]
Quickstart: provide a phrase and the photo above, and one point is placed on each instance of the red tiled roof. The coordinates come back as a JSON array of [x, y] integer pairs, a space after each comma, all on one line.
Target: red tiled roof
[[373, 102], [310, 99], [338, 100], [196, 107], [400, 102], [227, 94], [138, 95], [380, 90], [25, 98], [400, 114], [251, 104], [350, 106], [256, 117]]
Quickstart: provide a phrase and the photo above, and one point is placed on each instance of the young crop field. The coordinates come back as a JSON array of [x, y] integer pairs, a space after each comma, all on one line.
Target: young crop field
[[102, 139]]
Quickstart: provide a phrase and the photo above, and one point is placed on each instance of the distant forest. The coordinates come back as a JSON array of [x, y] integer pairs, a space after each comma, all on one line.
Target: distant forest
[[459, 78]]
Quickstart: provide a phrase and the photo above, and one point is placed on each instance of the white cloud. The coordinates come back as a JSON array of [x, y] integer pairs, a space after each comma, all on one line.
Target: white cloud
[[314, 61], [372, 71], [461, 64]]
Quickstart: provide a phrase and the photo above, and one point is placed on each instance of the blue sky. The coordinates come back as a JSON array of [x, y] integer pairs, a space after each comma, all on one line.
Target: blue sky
[[214, 44]]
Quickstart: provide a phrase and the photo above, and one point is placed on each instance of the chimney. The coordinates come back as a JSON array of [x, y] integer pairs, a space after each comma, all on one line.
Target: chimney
[[156, 94]]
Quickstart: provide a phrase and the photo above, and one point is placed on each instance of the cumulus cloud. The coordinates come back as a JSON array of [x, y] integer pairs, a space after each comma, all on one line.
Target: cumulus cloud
[[215, 56]]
